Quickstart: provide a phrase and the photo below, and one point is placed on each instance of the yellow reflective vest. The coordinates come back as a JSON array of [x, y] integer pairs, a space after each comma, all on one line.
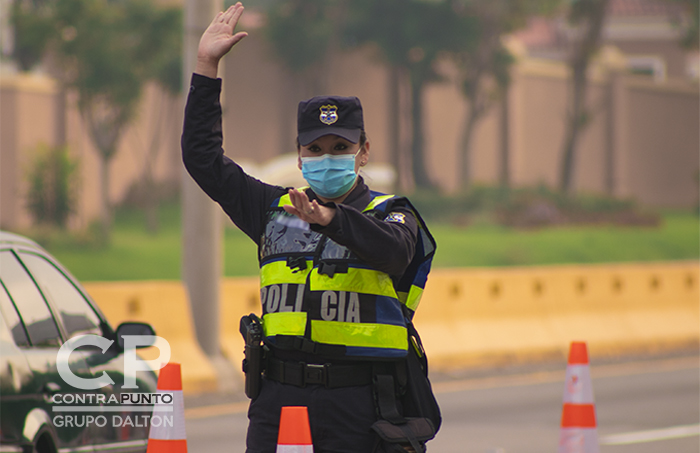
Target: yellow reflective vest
[[319, 297]]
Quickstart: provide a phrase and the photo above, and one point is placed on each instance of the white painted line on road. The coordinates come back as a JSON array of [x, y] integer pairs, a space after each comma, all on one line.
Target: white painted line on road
[[652, 435]]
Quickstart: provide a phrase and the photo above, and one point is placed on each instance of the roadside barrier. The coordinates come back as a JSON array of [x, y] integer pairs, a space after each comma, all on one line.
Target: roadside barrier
[[466, 317], [239, 297], [165, 306], [295, 432], [164, 436], [476, 316], [579, 432]]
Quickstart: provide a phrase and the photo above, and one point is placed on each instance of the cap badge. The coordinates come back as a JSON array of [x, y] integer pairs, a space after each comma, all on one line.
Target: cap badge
[[329, 114]]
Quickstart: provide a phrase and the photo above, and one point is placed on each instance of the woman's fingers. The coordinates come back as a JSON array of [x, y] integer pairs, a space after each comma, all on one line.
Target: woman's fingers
[[308, 211], [300, 201], [301, 204], [234, 13], [218, 39]]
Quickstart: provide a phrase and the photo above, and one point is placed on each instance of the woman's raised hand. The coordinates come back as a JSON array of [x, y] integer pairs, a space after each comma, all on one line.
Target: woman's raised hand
[[218, 39]]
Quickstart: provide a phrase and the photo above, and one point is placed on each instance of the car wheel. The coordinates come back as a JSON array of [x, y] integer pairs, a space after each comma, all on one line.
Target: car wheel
[[44, 444]]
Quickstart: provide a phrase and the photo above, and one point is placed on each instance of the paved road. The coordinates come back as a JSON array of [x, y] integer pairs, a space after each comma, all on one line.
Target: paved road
[[642, 407]]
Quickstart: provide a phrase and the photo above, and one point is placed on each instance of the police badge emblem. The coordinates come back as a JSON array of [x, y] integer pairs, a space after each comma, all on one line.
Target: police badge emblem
[[396, 217], [329, 114]]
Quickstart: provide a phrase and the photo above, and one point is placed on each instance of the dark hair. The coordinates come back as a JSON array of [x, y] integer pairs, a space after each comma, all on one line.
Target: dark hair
[[363, 140]]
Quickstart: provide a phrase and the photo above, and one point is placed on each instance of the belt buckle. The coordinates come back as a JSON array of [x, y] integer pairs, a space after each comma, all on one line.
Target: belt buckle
[[314, 374]]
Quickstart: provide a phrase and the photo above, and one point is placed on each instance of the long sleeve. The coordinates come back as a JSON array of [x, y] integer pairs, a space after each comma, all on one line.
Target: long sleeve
[[386, 244], [242, 197]]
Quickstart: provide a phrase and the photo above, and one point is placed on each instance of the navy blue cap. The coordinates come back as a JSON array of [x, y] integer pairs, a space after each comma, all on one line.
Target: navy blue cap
[[323, 115]]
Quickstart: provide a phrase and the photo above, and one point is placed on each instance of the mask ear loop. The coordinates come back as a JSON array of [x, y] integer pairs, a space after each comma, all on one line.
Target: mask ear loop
[[362, 164]]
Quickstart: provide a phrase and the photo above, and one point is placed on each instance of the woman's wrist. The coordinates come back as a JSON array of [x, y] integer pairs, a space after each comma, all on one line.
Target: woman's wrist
[[207, 67]]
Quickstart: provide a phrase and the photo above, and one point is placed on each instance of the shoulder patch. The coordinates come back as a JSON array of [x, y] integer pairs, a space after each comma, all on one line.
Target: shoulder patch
[[397, 217]]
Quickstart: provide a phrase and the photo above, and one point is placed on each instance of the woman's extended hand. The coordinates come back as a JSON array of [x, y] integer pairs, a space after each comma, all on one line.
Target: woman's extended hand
[[308, 211], [218, 39]]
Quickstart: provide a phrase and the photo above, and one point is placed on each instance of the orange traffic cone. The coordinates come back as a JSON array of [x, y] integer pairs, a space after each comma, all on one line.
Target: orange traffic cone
[[295, 432], [167, 434], [578, 421]]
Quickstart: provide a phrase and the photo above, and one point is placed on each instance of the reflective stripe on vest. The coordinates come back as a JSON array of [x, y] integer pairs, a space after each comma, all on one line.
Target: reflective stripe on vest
[[386, 340], [277, 272], [285, 200], [411, 299], [365, 281], [376, 201], [289, 323]]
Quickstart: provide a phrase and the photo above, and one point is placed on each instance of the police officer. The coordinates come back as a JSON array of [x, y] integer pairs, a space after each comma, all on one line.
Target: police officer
[[332, 258]]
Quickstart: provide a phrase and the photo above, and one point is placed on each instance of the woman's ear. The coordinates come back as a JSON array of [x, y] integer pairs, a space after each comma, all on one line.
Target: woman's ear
[[364, 154], [299, 159]]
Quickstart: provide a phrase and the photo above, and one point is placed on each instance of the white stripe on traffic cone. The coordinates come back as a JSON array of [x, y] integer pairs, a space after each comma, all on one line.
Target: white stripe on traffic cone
[[295, 432]]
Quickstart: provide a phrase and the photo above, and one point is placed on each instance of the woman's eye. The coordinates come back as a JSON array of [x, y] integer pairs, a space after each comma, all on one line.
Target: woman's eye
[[340, 147], [314, 149]]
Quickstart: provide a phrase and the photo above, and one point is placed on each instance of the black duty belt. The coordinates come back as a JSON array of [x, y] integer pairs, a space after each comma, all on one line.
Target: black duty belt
[[330, 375]]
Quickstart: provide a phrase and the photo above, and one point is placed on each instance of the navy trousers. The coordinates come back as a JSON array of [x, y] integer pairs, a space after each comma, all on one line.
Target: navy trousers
[[340, 418]]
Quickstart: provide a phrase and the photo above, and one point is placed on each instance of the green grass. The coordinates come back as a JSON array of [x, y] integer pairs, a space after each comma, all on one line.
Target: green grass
[[135, 255], [677, 239]]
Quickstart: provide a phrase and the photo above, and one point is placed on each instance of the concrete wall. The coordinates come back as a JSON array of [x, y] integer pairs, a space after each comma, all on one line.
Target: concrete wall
[[642, 141], [662, 166], [35, 111], [26, 119]]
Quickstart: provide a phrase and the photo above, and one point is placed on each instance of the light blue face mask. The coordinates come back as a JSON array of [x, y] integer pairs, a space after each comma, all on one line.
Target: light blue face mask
[[330, 176]]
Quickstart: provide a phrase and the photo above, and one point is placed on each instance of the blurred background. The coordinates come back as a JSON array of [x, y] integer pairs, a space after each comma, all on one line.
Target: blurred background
[[496, 116], [551, 145]]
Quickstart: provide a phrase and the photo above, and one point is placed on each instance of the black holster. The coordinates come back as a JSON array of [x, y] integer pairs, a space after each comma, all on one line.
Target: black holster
[[409, 414], [254, 361], [393, 427]]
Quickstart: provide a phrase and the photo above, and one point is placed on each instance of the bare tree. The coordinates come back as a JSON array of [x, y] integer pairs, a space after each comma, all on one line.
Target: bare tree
[[484, 65], [411, 35], [587, 17]]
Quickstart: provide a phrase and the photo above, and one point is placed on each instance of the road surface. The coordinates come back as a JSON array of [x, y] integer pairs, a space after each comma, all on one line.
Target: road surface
[[649, 406]]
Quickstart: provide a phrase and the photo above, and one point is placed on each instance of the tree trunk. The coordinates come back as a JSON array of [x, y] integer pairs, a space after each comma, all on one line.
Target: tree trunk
[[150, 192], [151, 204], [105, 205], [504, 171], [394, 124], [577, 120], [465, 174], [420, 175], [105, 123]]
